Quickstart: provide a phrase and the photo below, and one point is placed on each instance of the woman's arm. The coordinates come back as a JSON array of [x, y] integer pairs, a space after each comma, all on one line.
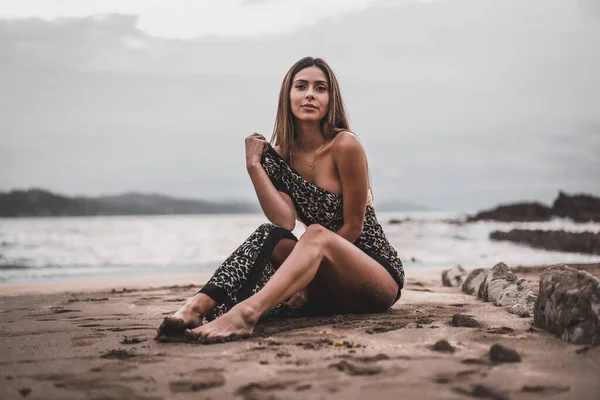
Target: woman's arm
[[277, 206], [351, 163]]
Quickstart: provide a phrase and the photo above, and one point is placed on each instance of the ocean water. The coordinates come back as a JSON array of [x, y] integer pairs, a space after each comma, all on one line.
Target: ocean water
[[34, 250]]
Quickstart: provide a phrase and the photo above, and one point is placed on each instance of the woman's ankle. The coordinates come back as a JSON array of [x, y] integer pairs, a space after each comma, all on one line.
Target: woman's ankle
[[202, 304]]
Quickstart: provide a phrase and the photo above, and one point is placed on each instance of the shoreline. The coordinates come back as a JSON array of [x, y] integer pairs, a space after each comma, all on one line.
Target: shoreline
[[163, 280]]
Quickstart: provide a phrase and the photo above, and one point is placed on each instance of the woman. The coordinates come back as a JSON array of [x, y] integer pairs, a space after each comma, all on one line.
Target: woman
[[316, 172]]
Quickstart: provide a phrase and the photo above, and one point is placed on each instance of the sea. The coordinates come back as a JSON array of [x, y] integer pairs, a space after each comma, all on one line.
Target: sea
[[62, 249]]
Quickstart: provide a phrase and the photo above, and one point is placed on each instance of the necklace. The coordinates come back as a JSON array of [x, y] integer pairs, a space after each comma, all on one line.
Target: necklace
[[312, 164]]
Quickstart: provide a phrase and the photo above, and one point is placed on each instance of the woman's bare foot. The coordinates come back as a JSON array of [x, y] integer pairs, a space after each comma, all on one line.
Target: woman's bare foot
[[189, 316], [237, 322]]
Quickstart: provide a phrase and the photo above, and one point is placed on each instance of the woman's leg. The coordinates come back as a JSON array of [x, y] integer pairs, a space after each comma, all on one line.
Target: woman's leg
[[358, 282], [241, 273]]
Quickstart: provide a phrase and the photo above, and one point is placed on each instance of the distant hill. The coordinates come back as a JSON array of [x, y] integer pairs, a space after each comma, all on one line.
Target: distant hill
[[42, 203]]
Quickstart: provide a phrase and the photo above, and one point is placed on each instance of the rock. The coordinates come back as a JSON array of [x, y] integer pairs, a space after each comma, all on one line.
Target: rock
[[524, 307], [454, 276], [443, 346], [580, 208], [474, 280], [573, 242], [495, 281], [510, 295], [519, 212], [462, 320], [568, 305], [481, 392], [501, 354]]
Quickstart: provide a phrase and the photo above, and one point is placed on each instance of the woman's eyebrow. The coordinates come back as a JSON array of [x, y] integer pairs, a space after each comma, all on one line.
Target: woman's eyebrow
[[305, 81]]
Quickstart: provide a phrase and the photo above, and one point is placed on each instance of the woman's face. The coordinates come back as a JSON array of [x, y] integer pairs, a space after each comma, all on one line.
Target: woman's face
[[309, 96]]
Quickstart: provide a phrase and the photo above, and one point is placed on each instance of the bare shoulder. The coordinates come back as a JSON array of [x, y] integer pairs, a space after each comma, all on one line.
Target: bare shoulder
[[346, 144]]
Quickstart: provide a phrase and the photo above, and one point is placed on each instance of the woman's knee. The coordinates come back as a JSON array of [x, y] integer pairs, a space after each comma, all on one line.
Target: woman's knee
[[316, 232]]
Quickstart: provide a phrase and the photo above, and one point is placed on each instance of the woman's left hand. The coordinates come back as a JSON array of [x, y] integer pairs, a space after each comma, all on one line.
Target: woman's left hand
[[298, 299]]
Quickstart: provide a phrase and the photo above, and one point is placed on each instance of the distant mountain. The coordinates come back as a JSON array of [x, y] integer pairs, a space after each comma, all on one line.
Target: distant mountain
[[41, 203], [398, 205]]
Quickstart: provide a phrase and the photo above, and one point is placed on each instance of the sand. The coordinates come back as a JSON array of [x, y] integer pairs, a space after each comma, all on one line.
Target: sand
[[98, 343]]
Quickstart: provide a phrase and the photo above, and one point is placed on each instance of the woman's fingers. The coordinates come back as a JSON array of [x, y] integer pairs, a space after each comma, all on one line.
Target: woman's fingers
[[297, 300]]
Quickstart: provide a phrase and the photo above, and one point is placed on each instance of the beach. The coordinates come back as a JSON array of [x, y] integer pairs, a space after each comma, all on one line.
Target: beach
[[97, 341]]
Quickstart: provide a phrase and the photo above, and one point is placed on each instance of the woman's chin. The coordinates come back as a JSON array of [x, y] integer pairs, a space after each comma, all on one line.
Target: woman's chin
[[309, 118]]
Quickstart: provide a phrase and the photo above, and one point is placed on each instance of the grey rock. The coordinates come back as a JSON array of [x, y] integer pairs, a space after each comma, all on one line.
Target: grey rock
[[474, 281], [467, 321], [454, 276], [568, 305], [501, 354], [495, 281], [524, 307], [444, 346], [511, 294]]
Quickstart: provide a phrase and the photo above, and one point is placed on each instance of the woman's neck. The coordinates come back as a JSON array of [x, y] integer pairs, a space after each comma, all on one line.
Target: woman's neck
[[309, 136]]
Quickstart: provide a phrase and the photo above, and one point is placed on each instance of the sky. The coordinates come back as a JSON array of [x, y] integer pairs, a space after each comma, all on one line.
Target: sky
[[460, 104]]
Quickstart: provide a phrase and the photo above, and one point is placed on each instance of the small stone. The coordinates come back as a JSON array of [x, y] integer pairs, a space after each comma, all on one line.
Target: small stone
[[510, 295], [25, 392], [474, 281], [454, 276], [501, 354], [443, 346], [524, 307], [467, 321], [495, 281]]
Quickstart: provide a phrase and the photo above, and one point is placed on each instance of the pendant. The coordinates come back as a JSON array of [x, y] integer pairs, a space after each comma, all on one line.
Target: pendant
[[312, 166]]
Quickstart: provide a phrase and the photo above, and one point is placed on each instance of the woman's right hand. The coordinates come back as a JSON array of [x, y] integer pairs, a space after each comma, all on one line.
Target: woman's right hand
[[256, 144]]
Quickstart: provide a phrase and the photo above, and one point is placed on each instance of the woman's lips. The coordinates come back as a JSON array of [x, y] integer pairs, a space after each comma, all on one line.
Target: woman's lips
[[309, 106]]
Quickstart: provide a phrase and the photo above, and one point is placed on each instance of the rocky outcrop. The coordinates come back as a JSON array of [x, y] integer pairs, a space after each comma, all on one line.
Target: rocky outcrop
[[580, 208], [568, 305], [519, 212], [474, 281], [573, 242], [510, 295], [454, 276], [495, 281], [500, 285]]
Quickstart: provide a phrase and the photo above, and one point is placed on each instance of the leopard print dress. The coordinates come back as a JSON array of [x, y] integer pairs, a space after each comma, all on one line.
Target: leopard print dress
[[248, 268]]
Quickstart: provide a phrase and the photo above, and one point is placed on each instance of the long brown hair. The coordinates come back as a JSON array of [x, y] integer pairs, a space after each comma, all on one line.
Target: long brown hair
[[334, 122]]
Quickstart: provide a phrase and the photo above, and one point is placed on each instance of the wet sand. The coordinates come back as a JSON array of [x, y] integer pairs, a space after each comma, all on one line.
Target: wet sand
[[99, 344]]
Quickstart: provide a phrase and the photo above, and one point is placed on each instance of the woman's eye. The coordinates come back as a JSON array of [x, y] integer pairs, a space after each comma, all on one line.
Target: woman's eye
[[299, 86], [321, 88]]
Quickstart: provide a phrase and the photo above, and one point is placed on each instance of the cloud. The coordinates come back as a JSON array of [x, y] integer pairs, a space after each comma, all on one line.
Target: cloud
[[185, 19], [459, 103]]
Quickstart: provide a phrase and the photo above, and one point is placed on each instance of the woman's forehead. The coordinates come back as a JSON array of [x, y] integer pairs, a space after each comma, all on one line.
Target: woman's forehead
[[310, 74]]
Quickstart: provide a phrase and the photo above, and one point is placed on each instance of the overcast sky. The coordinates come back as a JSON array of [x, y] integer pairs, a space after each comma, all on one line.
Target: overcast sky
[[460, 104]]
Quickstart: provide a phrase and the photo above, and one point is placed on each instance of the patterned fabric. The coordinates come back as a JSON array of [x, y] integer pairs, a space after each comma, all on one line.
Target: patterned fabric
[[248, 269], [315, 205]]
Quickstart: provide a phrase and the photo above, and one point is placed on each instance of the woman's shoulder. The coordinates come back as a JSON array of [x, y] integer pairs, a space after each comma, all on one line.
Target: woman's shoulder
[[346, 141]]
